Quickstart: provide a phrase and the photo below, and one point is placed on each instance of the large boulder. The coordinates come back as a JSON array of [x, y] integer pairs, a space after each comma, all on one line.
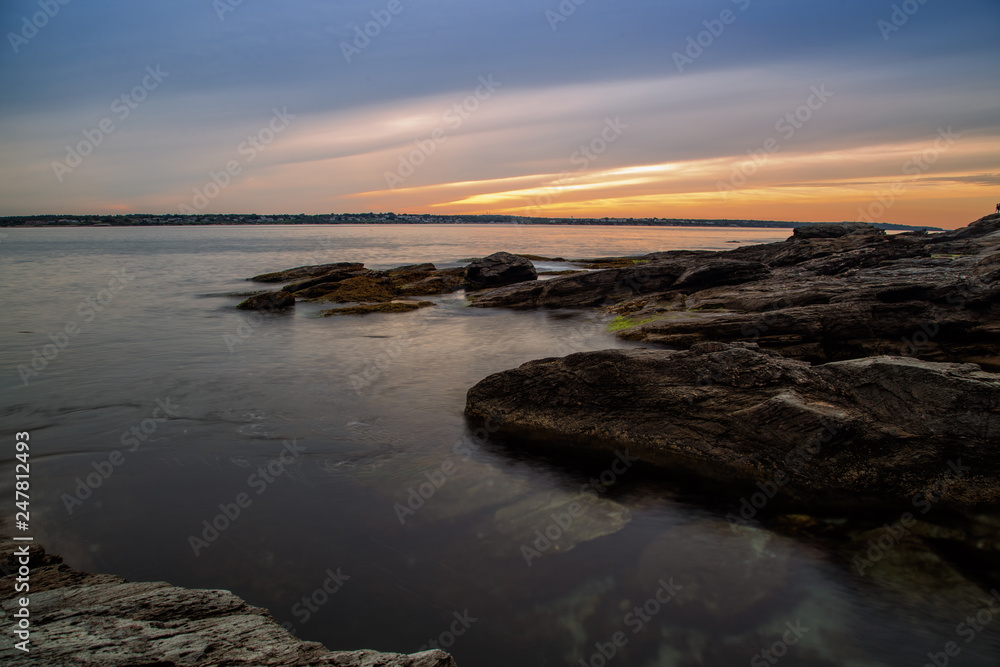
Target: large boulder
[[499, 269], [884, 426]]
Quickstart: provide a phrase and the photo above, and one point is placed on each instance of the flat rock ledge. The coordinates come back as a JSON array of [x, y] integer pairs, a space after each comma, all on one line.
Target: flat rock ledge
[[84, 620], [877, 427]]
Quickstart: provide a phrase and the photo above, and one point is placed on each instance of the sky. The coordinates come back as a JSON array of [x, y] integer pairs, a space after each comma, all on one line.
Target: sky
[[818, 110]]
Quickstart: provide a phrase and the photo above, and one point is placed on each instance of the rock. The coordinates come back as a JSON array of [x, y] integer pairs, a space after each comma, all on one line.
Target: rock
[[834, 230], [391, 307], [372, 288], [269, 301], [499, 269], [425, 280], [347, 282], [83, 620], [327, 279], [882, 427], [301, 272], [933, 309], [597, 288]]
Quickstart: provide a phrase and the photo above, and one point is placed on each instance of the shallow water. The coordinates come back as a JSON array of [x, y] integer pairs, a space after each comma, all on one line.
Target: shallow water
[[369, 413]]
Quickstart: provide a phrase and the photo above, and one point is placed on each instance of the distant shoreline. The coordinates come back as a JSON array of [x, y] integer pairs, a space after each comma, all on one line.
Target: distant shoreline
[[146, 220]]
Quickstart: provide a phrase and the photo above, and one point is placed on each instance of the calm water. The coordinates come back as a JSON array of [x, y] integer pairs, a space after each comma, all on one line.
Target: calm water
[[374, 407]]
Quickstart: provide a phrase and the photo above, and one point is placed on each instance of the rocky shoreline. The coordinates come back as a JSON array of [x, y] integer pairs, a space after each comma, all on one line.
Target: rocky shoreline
[[861, 356], [883, 347], [96, 620]]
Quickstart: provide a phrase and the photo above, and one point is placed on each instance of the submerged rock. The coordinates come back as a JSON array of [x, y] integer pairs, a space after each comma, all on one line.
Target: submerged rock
[[554, 522], [81, 619], [884, 427], [499, 269]]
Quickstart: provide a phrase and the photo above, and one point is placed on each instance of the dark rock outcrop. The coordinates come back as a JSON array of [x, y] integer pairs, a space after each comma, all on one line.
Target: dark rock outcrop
[[90, 620], [269, 301], [828, 293], [499, 269], [312, 271], [598, 288], [353, 283], [882, 427]]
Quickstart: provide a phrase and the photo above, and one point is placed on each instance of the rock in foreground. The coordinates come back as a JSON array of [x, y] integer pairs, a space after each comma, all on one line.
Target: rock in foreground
[[882, 427], [88, 620]]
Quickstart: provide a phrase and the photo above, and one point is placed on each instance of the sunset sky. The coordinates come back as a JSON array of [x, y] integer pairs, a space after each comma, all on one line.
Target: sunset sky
[[824, 110]]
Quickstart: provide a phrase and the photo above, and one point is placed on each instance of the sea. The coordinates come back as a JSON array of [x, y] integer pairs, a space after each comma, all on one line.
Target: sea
[[322, 468]]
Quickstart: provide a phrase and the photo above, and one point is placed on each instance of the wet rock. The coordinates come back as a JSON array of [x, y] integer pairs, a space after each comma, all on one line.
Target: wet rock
[[302, 272], [84, 620], [426, 280], [269, 301], [326, 280], [885, 427], [598, 288], [370, 288], [391, 307], [499, 269]]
